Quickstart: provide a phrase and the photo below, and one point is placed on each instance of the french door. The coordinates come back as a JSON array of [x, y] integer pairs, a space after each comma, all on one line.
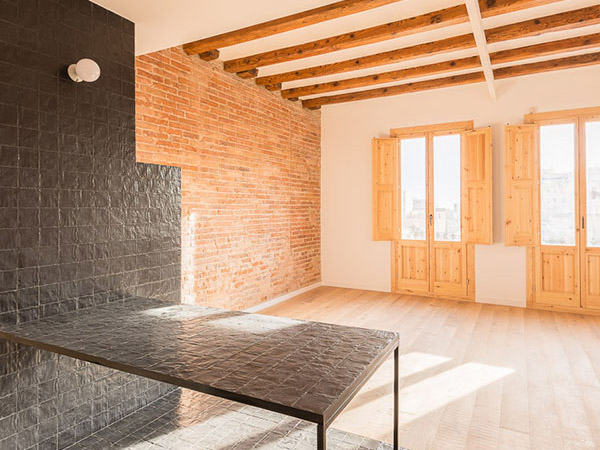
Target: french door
[[430, 254], [589, 130], [567, 254]]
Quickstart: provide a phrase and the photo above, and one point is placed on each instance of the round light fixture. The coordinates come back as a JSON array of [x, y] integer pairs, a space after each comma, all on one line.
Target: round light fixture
[[85, 70]]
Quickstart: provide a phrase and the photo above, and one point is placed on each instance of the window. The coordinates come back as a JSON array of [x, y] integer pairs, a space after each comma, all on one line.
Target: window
[[592, 148], [557, 184], [413, 186], [446, 187]]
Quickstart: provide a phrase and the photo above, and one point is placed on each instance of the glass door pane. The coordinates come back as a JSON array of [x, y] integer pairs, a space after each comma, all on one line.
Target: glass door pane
[[592, 152], [557, 173], [413, 188], [446, 187]]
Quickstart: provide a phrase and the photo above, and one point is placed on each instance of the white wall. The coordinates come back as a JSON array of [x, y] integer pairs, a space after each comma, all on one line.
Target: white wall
[[350, 257]]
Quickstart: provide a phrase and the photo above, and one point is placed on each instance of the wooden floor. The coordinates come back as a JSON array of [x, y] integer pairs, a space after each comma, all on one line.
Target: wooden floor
[[472, 375]]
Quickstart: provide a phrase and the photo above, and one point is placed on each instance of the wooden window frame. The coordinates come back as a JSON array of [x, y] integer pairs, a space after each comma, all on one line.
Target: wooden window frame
[[450, 127]]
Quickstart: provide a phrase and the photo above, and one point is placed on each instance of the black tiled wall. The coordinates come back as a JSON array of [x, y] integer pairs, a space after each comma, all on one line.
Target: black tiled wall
[[80, 222]]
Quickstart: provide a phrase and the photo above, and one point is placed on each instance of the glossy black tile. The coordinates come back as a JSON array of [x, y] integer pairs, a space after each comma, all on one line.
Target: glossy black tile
[[67, 155], [186, 420]]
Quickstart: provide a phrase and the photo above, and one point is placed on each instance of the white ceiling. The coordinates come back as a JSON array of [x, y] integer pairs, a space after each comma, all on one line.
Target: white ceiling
[[166, 23]]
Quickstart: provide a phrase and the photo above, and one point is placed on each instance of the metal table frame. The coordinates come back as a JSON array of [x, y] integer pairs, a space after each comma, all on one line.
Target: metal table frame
[[322, 426]]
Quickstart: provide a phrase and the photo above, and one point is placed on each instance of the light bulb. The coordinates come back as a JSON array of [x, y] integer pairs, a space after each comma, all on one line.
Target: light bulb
[[85, 70]]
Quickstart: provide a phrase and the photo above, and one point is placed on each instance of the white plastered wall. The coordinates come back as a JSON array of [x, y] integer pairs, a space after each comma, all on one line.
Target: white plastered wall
[[350, 257]]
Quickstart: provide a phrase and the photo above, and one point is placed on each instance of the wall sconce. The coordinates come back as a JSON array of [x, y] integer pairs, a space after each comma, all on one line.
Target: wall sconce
[[85, 70]]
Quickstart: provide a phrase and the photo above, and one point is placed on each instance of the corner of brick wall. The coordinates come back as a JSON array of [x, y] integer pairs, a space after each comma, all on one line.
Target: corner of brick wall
[[251, 174]]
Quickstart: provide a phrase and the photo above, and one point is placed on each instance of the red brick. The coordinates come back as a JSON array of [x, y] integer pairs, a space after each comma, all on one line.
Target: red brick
[[250, 178]]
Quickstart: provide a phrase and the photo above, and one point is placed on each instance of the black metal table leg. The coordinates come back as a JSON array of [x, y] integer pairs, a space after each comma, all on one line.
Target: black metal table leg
[[396, 381], [321, 437]]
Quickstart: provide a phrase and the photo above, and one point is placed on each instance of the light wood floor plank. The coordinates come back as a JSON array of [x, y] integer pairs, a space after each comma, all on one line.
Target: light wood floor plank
[[473, 376], [485, 422], [453, 428], [514, 415], [544, 422]]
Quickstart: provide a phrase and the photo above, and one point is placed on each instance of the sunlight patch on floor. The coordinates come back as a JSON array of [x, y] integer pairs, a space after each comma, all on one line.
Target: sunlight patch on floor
[[415, 362], [374, 404], [439, 390]]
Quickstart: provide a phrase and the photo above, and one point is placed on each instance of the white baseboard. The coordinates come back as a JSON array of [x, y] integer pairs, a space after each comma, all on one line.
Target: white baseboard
[[282, 298], [357, 286], [502, 302]]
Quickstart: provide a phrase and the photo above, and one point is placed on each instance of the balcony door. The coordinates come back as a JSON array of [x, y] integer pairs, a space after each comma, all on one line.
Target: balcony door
[[557, 253], [589, 188], [430, 254], [432, 198], [566, 255]]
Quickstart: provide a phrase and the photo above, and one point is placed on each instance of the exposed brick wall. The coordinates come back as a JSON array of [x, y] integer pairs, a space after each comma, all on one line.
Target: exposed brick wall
[[250, 178]]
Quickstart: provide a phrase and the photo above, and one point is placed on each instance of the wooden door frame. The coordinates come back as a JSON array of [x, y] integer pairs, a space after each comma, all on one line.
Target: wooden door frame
[[468, 249]]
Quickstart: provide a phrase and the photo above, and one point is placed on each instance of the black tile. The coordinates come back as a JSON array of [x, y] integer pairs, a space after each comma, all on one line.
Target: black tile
[[8, 303], [46, 269], [8, 114], [8, 135], [29, 118], [9, 156], [8, 260], [8, 221]]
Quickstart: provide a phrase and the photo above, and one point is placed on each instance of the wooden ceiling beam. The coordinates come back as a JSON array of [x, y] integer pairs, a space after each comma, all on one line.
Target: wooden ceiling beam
[[517, 54], [547, 48], [570, 62], [283, 24], [556, 22], [457, 80], [380, 59], [405, 54], [386, 77], [422, 23], [437, 19], [491, 8]]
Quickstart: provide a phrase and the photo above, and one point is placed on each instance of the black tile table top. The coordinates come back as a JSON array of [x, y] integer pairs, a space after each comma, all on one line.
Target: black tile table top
[[187, 420], [307, 370]]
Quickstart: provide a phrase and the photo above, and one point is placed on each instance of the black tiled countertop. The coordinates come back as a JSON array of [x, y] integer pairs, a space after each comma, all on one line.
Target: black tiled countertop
[[307, 370]]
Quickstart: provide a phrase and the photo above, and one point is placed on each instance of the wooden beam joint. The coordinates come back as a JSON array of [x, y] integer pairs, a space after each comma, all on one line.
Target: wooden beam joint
[[210, 55], [247, 74], [273, 87]]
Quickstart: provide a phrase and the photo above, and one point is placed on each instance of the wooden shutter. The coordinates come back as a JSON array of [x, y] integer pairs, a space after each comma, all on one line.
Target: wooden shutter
[[521, 185], [384, 188], [477, 187]]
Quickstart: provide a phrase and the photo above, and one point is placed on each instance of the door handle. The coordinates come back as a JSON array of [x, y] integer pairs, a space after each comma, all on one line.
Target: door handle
[[430, 219], [583, 222]]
